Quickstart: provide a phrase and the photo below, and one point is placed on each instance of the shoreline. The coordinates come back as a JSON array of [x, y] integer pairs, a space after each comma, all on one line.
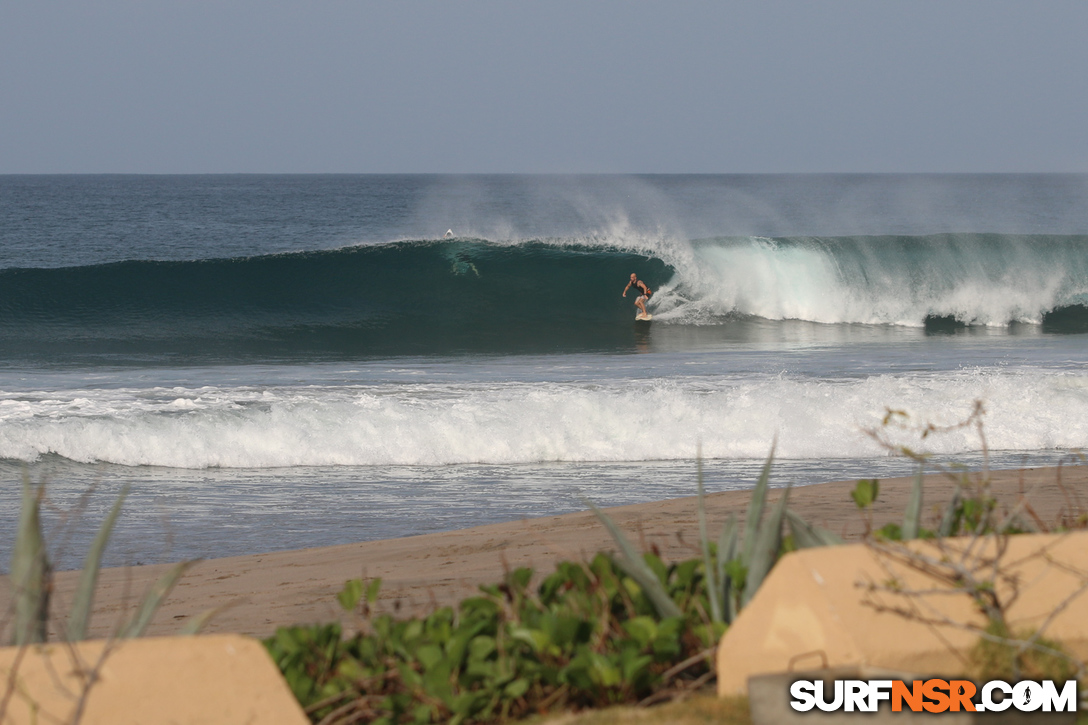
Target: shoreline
[[260, 592]]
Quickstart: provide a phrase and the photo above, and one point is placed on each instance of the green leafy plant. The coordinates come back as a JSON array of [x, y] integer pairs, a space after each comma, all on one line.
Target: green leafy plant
[[865, 492], [623, 628], [590, 634]]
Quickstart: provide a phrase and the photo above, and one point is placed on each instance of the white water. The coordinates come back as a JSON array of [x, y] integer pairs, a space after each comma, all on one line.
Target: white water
[[734, 417], [993, 281]]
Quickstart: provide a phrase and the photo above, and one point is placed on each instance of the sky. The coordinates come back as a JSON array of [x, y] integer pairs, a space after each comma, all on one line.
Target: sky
[[555, 86]]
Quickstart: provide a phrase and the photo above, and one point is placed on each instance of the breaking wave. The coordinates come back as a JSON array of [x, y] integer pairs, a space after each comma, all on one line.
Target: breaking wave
[[445, 297], [518, 422]]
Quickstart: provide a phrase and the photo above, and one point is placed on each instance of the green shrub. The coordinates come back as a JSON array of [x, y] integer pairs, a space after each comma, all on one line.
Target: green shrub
[[621, 629], [587, 636]]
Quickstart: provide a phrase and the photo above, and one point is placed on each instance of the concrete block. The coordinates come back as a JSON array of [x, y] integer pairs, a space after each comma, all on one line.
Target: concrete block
[[207, 680], [812, 611]]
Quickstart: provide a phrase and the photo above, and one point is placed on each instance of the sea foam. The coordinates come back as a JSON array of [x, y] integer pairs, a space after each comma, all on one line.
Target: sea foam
[[437, 424]]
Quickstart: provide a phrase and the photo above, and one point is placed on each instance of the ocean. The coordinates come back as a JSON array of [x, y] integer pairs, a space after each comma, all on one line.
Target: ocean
[[278, 362]]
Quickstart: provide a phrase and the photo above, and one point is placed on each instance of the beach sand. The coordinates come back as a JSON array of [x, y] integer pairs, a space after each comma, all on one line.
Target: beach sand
[[261, 592]]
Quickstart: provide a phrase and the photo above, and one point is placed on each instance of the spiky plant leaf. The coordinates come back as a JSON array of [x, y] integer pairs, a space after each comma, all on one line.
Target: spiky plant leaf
[[912, 516], [765, 551], [727, 551], [708, 567], [755, 507], [950, 515], [637, 568], [807, 536], [88, 579], [31, 574], [154, 598], [727, 543]]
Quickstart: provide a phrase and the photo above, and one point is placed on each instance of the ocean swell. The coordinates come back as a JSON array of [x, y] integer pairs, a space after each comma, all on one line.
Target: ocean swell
[[465, 296]]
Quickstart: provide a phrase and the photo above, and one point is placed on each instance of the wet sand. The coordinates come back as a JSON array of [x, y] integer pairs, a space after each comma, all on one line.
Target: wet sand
[[261, 592]]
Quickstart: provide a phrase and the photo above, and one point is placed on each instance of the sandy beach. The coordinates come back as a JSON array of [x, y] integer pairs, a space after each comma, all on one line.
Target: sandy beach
[[258, 593]]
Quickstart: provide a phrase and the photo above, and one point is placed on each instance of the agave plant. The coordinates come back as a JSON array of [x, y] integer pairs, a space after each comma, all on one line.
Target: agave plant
[[32, 577], [739, 565], [743, 564]]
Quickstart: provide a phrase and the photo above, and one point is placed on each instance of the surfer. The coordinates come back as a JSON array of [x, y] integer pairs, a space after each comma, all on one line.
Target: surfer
[[643, 291]]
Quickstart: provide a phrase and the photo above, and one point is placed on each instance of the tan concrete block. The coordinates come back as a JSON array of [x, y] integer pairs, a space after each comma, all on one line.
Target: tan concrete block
[[813, 611], [207, 680]]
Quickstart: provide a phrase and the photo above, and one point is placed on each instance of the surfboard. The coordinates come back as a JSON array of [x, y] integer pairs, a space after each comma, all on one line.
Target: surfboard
[[643, 318]]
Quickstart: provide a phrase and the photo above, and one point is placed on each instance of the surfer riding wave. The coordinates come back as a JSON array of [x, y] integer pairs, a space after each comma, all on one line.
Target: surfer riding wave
[[644, 293]]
